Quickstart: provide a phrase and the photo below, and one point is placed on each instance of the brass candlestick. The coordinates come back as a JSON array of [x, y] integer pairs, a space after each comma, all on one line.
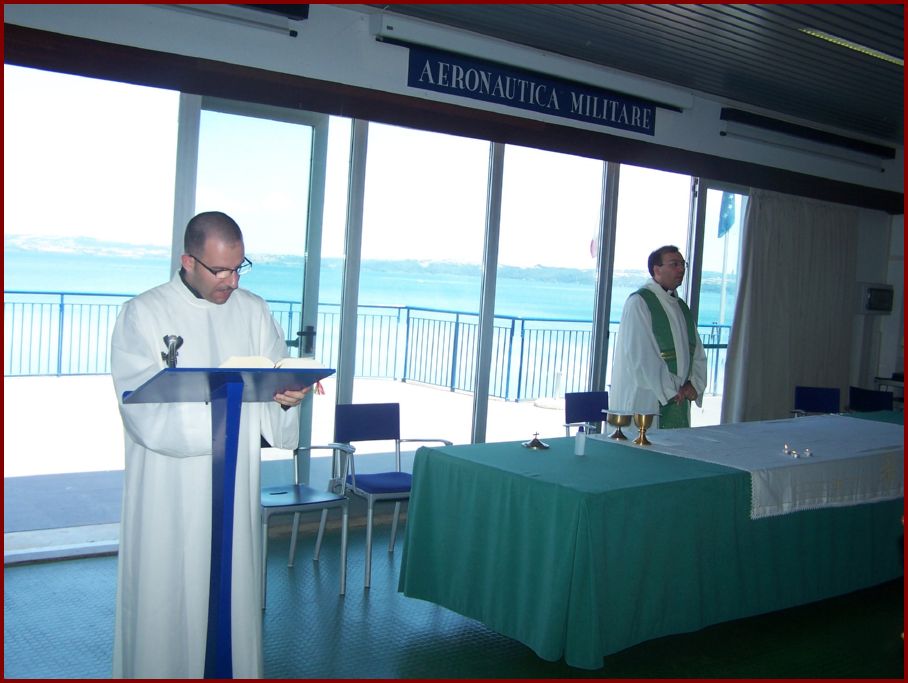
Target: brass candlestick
[[618, 421], [643, 423]]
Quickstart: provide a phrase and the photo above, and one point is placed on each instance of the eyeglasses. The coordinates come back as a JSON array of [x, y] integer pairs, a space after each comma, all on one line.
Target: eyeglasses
[[224, 273], [674, 263]]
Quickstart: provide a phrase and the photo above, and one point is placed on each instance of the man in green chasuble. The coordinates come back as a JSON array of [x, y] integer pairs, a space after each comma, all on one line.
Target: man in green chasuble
[[659, 363]]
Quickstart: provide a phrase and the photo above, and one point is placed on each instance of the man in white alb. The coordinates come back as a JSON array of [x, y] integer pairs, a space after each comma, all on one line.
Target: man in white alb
[[165, 531], [659, 363]]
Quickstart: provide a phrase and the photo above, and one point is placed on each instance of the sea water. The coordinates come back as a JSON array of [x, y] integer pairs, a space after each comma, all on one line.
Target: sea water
[[547, 293]]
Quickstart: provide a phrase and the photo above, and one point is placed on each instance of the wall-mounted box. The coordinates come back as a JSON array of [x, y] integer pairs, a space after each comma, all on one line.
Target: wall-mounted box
[[875, 299]]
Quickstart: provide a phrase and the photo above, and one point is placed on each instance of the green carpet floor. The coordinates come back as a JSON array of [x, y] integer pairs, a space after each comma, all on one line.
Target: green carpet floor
[[58, 623]]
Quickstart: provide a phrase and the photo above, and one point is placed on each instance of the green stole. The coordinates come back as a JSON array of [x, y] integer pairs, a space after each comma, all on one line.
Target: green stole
[[671, 415]]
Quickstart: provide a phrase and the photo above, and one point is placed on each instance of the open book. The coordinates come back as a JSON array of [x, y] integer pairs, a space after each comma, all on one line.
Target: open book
[[265, 362]]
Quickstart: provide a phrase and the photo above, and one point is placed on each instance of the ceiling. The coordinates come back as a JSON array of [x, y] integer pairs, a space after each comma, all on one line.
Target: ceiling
[[740, 54]]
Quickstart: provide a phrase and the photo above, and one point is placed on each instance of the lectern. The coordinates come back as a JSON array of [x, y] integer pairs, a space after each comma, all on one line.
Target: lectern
[[226, 390]]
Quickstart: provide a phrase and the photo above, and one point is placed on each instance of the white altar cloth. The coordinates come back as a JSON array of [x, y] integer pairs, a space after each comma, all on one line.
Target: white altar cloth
[[852, 460]]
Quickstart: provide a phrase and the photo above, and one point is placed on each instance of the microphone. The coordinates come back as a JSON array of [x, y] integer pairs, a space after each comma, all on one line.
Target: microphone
[[172, 342]]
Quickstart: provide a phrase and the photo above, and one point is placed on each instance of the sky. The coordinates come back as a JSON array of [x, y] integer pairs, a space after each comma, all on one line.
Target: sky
[[84, 157], [51, 126]]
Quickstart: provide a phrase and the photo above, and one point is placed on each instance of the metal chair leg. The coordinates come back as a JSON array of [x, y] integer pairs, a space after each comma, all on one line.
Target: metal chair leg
[[343, 569], [394, 526], [293, 534], [369, 544], [264, 561], [321, 534]]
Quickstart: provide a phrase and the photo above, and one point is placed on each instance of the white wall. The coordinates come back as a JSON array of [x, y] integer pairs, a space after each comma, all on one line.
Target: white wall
[[336, 44]]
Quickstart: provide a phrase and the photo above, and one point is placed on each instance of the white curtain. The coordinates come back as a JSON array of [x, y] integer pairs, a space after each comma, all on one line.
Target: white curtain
[[795, 304]]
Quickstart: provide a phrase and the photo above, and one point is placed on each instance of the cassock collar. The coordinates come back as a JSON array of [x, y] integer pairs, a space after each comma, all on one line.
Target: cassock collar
[[661, 291], [186, 293], [194, 292]]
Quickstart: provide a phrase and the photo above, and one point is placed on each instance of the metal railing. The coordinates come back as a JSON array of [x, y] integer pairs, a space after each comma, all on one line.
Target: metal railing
[[58, 333], [68, 333]]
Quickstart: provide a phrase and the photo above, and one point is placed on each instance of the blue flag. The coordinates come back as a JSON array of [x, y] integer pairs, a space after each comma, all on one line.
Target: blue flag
[[727, 213]]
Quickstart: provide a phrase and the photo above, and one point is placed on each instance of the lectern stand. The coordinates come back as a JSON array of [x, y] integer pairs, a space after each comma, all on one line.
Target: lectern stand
[[226, 390]]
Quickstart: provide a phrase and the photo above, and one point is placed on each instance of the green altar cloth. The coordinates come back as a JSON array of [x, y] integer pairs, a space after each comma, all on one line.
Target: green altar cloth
[[580, 557]]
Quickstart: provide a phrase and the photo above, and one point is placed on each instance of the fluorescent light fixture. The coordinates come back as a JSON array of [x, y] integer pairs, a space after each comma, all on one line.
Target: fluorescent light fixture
[[741, 131], [851, 45], [238, 15], [395, 28]]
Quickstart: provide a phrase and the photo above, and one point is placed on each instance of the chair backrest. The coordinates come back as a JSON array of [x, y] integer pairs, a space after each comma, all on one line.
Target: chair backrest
[[366, 422], [818, 399], [863, 400], [585, 406]]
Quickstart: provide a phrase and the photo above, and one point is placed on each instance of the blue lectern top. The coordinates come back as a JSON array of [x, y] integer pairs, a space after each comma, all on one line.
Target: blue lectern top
[[195, 385]]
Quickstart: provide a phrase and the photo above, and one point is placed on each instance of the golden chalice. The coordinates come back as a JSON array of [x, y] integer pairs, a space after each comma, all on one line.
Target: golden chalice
[[643, 422], [618, 421]]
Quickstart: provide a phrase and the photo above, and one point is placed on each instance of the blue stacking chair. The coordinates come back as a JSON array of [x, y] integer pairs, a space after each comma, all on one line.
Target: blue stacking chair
[[866, 400], [816, 400], [295, 499], [583, 407], [373, 422]]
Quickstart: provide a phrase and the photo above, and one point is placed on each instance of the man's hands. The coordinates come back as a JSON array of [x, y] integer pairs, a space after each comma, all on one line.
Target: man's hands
[[289, 399], [686, 393]]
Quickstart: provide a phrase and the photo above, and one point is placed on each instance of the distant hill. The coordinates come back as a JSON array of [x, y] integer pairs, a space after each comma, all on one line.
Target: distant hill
[[73, 246]]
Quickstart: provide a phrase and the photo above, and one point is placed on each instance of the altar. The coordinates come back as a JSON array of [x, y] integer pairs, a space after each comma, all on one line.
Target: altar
[[579, 557]]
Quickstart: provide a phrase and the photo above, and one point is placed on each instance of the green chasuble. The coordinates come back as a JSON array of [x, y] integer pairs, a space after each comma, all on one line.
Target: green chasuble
[[672, 415]]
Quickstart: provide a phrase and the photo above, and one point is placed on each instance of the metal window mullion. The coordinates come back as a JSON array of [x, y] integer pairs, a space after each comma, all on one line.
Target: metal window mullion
[[188, 131], [605, 260], [487, 293], [353, 244]]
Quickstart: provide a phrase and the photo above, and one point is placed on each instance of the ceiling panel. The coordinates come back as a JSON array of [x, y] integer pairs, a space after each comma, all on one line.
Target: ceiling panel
[[745, 54]]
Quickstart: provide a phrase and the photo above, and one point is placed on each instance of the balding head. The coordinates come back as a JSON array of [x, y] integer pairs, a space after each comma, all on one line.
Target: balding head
[[210, 224], [213, 244]]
